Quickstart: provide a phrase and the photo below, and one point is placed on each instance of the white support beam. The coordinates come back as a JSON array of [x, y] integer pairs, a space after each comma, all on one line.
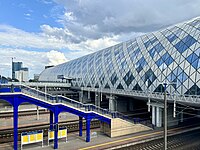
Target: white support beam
[[153, 115], [158, 117], [174, 112]]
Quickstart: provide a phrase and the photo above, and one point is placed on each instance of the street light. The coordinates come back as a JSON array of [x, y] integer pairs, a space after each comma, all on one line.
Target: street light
[[165, 117], [165, 114]]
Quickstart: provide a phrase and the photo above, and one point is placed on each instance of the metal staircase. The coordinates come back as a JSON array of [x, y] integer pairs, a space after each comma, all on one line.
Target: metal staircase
[[67, 101]]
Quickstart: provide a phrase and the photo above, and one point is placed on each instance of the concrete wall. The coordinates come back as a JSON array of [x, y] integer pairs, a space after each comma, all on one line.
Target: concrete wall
[[121, 127]]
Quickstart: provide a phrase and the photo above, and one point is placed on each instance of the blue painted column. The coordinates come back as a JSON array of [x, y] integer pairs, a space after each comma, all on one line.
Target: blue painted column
[[56, 128], [15, 122], [88, 129], [51, 120], [80, 126]]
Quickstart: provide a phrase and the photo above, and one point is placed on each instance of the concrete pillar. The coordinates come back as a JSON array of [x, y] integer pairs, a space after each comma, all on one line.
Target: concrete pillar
[[80, 126], [89, 95], [158, 117], [153, 115], [15, 125], [51, 120], [97, 99], [81, 96], [112, 104], [88, 129]]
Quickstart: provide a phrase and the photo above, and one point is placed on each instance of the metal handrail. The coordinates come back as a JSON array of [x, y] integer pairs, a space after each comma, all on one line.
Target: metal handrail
[[42, 84], [64, 100], [152, 95]]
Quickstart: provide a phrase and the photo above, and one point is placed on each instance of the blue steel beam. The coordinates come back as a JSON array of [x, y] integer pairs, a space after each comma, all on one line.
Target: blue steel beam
[[56, 113], [15, 122], [88, 120], [51, 120]]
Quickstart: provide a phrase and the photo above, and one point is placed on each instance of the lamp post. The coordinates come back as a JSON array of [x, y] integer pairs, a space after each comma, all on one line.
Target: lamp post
[[165, 117], [165, 114]]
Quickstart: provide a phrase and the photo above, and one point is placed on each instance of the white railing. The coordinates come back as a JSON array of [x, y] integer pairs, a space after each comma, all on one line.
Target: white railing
[[43, 84], [155, 95]]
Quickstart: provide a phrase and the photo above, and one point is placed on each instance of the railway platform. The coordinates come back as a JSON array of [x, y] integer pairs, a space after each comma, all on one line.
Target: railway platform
[[101, 142]]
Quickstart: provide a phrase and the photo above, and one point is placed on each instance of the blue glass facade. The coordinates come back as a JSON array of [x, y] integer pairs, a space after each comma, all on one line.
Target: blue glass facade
[[144, 63]]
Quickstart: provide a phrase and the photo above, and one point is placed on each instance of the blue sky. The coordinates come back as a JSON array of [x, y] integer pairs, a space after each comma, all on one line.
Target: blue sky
[[50, 32], [29, 15]]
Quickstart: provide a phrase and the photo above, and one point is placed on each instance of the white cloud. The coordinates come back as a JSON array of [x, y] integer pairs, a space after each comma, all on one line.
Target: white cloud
[[88, 26], [34, 60], [94, 20], [10, 36], [56, 57], [123, 16], [27, 14], [52, 38]]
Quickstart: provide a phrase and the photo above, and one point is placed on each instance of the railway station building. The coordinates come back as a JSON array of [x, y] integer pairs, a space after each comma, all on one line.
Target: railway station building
[[132, 74]]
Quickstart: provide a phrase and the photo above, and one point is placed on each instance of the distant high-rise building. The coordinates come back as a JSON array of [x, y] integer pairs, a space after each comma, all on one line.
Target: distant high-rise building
[[18, 72], [16, 66]]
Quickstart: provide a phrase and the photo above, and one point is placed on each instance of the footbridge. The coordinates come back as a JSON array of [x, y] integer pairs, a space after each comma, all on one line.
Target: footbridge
[[17, 95]]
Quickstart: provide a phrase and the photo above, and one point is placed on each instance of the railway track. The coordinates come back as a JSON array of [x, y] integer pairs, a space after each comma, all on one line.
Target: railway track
[[6, 135], [188, 140], [7, 115]]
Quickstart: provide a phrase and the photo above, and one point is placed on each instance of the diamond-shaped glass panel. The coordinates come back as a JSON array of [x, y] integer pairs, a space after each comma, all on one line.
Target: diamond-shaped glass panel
[[171, 37], [113, 78], [171, 77], [182, 77], [159, 47], [194, 90], [147, 43], [181, 47], [177, 71], [195, 64], [159, 62], [191, 58], [107, 86], [120, 86], [128, 78], [149, 77], [152, 52], [140, 64], [169, 61], [134, 55], [137, 88], [185, 43]]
